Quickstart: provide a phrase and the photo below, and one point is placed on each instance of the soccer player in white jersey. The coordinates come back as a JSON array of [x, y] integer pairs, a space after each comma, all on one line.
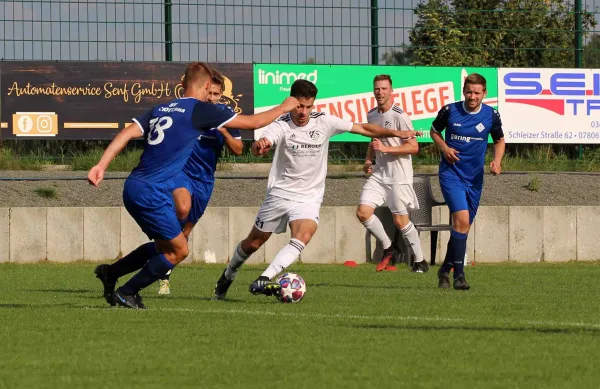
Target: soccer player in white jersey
[[391, 177], [296, 184]]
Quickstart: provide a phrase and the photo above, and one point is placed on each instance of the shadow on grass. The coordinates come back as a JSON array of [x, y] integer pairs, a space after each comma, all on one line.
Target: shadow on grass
[[258, 300], [474, 328], [193, 298], [58, 305], [365, 286], [87, 293], [63, 290]]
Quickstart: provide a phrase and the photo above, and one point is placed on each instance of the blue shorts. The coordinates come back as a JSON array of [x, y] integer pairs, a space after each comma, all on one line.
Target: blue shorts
[[151, 206], [200, 191], [459, 196]]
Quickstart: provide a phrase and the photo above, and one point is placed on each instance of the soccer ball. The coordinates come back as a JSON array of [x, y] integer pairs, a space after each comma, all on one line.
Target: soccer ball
[[293, 288]]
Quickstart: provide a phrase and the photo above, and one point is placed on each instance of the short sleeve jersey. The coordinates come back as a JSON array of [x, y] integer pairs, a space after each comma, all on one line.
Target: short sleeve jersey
[[467, 132], [171, 131], [392, 169]]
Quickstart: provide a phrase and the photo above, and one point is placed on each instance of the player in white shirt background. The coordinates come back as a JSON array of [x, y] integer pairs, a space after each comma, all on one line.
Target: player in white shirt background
[[390, 179], [296, 184]]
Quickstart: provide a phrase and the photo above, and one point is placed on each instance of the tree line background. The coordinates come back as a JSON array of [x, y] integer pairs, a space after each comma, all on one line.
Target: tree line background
[[497, 33]]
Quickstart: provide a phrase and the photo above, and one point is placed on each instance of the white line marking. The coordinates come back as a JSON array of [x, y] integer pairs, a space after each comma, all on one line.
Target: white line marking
[[507, 323]]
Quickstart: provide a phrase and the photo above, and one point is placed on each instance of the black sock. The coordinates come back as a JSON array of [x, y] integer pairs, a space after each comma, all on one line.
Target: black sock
[[167, 276], [447, 265], [133, 261]]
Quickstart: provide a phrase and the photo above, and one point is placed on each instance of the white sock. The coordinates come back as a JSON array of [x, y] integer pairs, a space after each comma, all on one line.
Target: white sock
[[237, 260], [376, 228], [284, 258], [412, 237]]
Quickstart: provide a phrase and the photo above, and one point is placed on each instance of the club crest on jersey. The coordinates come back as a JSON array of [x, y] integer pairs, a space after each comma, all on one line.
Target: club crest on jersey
[[315, 135], [480, 127], [387, 125]]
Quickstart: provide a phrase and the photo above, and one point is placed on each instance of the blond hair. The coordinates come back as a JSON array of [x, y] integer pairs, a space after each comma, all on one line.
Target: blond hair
[[196, 72]]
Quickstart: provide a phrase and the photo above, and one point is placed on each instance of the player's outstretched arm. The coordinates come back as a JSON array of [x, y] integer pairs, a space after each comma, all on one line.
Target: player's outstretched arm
[[96, 174], [408, 147], [375, 131], [259, 120], [261, 147]]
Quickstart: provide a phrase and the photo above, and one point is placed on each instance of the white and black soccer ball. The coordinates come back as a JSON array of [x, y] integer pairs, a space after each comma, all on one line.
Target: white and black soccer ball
[[293, 288]]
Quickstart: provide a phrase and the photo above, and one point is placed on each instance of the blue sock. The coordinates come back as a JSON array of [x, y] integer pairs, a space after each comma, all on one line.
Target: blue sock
[[447, 265], [133, 261], [152, 271], [459, 242]]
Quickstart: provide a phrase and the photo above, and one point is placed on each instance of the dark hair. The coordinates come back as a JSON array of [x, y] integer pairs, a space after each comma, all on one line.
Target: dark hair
[[196, 71], [218, 79], [382, 77], [475, 79], [303, 88]]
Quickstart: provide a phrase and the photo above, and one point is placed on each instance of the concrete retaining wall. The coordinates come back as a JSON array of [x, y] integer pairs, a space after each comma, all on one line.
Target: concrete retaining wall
[[520, 234]]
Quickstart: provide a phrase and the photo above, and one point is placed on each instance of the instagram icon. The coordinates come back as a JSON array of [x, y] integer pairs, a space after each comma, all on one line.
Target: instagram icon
[[35, 124]]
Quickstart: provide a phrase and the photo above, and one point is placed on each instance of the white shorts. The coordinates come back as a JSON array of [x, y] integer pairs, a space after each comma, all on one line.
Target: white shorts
[[398, 197], [276, 212]]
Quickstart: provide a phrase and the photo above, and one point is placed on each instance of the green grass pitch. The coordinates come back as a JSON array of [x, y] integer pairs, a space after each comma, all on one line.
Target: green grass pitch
[[520, 326]]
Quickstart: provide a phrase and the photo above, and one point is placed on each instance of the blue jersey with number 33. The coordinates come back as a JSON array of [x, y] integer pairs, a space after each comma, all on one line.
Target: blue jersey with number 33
[[171, 131]]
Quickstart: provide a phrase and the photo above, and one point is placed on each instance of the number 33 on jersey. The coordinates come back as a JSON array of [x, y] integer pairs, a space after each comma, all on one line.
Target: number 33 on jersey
[[157, 129], [171, 131]]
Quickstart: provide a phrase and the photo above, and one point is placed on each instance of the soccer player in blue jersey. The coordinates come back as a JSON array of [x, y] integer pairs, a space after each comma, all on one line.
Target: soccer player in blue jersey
[[194, 185], [170, 132], [468, 124]]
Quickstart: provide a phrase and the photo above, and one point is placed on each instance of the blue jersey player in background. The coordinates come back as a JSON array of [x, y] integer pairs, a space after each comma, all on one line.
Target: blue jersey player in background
[[468, 124], [193, 187], [170, 132]]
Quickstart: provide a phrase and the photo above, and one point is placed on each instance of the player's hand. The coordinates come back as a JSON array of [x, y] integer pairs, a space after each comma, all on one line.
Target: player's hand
[[495, 168], [261, 146], [368, 168], [409, 134], [289, 104], [379, 146], [96, 175], [451, 155]]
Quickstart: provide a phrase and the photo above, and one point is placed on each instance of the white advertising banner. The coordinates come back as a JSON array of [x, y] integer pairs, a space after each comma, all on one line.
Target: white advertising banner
[[549, 105]]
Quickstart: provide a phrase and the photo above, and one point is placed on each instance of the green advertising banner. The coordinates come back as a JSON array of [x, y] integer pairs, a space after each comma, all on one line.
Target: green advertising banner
[[347, 91]]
